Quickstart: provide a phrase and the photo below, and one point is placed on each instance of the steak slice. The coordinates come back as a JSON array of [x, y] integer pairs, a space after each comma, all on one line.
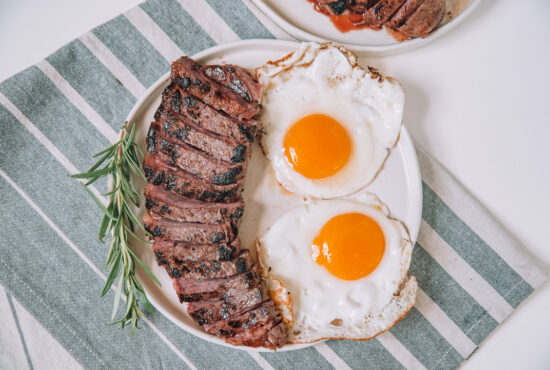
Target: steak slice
[[335, 7], [407, 9], [207, 312], [277, 336], [183, 104], [252, 328], [175, 207], [192, 290], [208, 269], [224, 148], [174, 179], [254, 337], [191, 233], [250, 319], [361, 6], [191, 78], [236, 79], [191, 159], [424, 19], [376, 16], [166, 250]]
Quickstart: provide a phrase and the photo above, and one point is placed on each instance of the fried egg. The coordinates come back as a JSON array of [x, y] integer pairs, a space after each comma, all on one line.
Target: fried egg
[[328, 123], [338, 268]]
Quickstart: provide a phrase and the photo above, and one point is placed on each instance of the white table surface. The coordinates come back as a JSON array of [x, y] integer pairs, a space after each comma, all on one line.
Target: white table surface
[[478, 99]]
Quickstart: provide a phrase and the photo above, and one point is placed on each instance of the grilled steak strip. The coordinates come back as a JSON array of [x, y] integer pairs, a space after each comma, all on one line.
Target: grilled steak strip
[[206, 312], [192, 233], [250, 319], [405, 11], [192, 290], [361, 6], [236, 79], [174, 179], [191, 78], [425, 19], [254, 337], [175, 207], [224, 148], [183, 104], [376, 16], [191, 159], [165, 250], [177, 268]]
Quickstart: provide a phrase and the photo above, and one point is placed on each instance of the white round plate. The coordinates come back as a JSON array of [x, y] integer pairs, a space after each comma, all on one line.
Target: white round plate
[[398, 184], [299, 19]]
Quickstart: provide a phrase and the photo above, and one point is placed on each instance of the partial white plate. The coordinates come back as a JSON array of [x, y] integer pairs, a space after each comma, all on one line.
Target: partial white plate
[[398, 184], [299, 19]]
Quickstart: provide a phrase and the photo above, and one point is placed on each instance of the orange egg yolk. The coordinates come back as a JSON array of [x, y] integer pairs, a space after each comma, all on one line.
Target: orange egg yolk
[[317, 146], [350, 246]]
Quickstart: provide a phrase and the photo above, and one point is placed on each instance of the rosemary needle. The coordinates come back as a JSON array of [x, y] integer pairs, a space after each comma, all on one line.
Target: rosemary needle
[[120, 161]]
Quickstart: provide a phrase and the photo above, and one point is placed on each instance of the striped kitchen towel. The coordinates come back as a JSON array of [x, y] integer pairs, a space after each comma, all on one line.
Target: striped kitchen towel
[[55, 115]]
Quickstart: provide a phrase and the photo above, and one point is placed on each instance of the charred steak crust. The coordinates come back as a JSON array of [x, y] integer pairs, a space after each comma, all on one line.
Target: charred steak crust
[[192, 78], [197, 154], [172, 178]]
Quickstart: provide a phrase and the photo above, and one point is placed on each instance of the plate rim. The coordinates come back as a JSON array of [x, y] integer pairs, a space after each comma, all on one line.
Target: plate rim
[[404, 137], [375, 50]]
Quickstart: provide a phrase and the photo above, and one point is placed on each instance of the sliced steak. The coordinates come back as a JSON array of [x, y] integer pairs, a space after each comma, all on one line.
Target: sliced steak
[[253, 337], [376, 16], [192, 233], [191, 78], [249, 319], [405, 11], [175, 207], [167, 250], [425, 19], [174, 179], [177, 268], [192, 160], [221, 147], [182, 103], [236, 79], [361, 6], [192, 290], [207, 312], [277, 336], [335, 7]]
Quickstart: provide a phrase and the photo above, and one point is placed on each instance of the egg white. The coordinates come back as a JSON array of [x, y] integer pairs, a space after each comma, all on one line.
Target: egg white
[[326, 79], [362, 308]]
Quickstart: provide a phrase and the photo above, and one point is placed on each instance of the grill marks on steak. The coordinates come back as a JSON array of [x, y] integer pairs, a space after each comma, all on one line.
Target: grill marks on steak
[[172, 178], [198, 149], [177, 268], [192, 78], [162, 203], [165, 250], [413, 18], [183, 104], [223, 148], [381, 12], [200, 164], [188, 232]]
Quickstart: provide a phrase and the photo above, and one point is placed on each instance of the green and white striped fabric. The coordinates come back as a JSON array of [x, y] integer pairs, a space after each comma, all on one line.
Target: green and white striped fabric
[[55, 115]]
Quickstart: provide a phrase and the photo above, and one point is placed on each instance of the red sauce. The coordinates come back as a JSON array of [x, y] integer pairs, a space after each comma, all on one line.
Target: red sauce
[[344, 22]]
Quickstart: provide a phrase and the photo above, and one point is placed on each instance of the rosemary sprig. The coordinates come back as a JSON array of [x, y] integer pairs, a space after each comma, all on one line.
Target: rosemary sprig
[[122, 160]]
